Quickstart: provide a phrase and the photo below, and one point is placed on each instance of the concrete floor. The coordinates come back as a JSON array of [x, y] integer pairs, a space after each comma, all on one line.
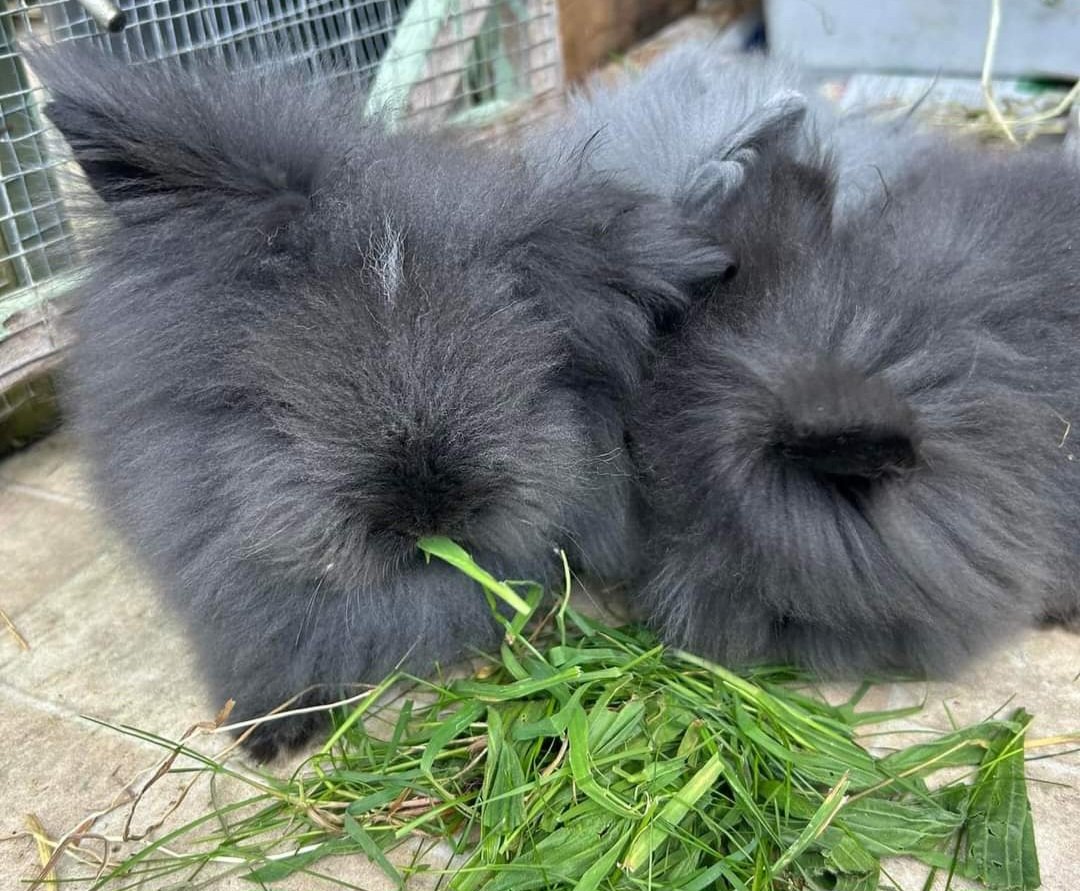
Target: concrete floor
[[101, 645]]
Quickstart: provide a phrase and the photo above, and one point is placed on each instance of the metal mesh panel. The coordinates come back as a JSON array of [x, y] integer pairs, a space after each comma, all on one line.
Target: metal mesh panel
[[437, 60]]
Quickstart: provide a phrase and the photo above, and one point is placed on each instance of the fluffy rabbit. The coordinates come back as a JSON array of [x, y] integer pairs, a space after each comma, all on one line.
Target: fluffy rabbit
[[866, 461], [306, 342]]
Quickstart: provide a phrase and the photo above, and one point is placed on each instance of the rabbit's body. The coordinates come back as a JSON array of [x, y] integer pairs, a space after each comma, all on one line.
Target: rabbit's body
[[305, 343], [866, 461]]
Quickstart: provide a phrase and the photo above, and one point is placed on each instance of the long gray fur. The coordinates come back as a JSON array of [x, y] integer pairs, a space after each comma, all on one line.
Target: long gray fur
[[306, 342], [862, 459]]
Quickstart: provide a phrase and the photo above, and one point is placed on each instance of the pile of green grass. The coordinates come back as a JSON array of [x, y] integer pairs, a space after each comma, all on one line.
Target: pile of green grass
[[590, 758]]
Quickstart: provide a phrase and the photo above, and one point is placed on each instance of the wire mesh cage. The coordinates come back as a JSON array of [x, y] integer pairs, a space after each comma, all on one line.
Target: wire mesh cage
[[455, 61]]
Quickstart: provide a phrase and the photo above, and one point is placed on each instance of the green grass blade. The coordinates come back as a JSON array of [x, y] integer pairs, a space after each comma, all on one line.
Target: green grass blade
[[459, 558], [817, 824], [371, 849], [673, 813], [283, 868], [488, 692], [450, 728], [577, 731], [602, 868]]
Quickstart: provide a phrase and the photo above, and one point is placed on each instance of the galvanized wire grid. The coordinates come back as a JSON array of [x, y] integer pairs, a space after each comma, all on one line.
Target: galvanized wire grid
[[438, 60]]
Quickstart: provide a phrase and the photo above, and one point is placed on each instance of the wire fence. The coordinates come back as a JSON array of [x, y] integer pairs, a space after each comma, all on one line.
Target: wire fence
[[440, 61]]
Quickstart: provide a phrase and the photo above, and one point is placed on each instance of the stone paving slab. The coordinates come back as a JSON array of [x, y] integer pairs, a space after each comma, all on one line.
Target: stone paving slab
[[57, 767], [102, 641], [51, 467], [43, 542]]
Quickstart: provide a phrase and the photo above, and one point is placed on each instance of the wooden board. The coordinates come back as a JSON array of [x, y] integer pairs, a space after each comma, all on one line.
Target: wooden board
[[594, 30]]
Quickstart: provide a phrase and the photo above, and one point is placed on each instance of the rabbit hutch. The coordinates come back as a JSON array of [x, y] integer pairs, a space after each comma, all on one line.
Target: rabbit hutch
[[455, 62]]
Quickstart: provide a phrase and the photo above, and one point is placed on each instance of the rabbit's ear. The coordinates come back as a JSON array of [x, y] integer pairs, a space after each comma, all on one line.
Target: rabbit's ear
[[773, 127], [594, 237], [153, 139], [662, 260]]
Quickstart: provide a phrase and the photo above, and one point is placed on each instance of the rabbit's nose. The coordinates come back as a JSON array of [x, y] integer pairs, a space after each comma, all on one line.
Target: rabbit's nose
[[427, 513], [428, 494], [430, 513], [424, 507]]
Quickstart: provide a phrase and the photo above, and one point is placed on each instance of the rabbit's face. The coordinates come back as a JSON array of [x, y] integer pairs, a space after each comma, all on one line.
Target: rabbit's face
[[414, 399], [457, 367]]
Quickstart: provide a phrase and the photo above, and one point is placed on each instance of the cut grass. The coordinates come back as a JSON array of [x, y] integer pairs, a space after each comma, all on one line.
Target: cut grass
[[590, 758]]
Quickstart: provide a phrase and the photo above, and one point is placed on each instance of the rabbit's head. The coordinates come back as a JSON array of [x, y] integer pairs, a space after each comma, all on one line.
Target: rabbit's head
[[395, 335], [415, 396]]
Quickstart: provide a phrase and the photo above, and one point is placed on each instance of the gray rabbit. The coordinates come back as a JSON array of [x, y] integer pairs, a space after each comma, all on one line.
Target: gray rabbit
[[863, 458], [305, 342]]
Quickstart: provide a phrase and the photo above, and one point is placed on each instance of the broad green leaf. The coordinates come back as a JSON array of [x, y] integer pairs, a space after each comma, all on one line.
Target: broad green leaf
[[893, 828], [961, 748], [1000, 831], [824, 874], [847, 856]]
